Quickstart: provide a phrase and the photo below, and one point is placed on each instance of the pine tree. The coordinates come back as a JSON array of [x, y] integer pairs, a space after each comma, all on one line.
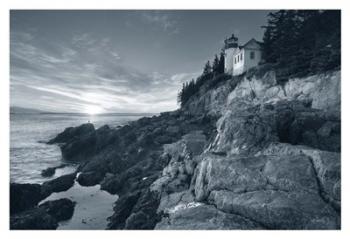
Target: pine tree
[[221, 67], [207, 68], [267, 45], [302, 42], [216, 64]]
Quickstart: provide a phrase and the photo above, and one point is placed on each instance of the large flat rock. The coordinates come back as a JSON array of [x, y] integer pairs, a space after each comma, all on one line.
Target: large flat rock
[[197, 216], [279, 190]]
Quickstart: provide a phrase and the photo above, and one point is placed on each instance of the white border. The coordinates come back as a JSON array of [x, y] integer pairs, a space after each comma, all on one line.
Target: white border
[[6, 5]]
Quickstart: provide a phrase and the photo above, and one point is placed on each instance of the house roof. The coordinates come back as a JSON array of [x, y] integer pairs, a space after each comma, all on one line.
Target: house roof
[[245, 46], [251, 41]]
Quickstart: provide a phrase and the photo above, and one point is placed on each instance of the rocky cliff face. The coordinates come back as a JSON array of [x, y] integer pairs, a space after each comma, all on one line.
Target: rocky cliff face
[[247, 154], [274, 162]]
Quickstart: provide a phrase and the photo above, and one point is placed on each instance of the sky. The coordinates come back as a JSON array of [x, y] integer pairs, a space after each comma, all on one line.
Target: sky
[[111, 61]]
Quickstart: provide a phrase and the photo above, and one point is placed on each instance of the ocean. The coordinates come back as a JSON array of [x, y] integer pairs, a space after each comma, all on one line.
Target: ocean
[[29, 155]]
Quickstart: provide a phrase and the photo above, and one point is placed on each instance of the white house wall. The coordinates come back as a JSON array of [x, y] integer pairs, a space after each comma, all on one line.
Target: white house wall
[[246, 63], [238, 67], [249, 63], [229, 60]]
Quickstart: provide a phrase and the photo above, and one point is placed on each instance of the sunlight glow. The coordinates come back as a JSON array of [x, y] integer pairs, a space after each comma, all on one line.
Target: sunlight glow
[[93, 109]]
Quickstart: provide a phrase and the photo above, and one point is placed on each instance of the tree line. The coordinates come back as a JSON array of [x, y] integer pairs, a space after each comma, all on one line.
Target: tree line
[[302, 42], [210, 70]]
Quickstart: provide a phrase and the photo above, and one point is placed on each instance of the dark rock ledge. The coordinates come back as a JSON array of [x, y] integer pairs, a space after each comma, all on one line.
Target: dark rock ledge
[[24, 199], [43, 217]]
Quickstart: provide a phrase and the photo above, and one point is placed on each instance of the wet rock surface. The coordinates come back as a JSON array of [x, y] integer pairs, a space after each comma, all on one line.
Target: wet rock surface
[[49, 172], [24, 200], [59, 184], [122, 210], [43, 217], [89, 178], [24, 196], [61, 209], [33, 219]]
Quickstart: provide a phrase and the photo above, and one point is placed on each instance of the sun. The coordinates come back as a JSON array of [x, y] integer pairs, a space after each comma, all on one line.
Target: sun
[[93, 109]]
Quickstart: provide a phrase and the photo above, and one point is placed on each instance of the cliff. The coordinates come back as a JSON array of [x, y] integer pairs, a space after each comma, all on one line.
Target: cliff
[[274, 162], [246, 153]]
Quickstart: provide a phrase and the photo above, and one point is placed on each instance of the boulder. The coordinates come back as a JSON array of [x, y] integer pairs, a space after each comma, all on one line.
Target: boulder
[[83, 142], [61, 209], [24, 196], [104, 137], [137, 210], [33, 219], [80, 149], [236, 174], [46, 216], [144, 213], [112, 184], [323, 89], [176, 176], [72, 133], [90, 178], [245, 129], [49, 172], [122, 210], [59, 184]]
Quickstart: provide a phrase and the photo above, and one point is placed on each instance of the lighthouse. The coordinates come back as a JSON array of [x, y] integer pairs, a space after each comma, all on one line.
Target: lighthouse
[[231, 45]]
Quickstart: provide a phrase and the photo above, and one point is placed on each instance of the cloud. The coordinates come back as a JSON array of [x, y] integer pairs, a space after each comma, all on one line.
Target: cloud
[[161, 20], [82, 40], [116, 55], [86, 71]]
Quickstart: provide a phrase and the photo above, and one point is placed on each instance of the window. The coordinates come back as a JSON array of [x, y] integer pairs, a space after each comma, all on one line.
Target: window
[[252, 55], [241, 56]]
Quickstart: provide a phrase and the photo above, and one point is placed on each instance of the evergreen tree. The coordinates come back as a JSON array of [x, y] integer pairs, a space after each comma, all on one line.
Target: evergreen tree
[[216, 64], [302, 42], [207, 68], [267, 45], [221, 67]]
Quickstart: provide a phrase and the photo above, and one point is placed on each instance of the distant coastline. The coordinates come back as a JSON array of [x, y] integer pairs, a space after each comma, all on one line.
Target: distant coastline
[[21, 110]]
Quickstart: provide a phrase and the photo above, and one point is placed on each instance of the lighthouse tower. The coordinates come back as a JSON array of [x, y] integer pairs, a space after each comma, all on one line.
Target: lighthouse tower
[[231, 45]]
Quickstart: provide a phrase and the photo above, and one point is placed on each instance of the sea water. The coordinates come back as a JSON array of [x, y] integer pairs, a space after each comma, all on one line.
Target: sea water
[[29, 155]]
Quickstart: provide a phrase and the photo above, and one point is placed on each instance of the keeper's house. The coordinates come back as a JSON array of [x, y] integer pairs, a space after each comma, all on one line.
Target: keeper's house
[[238, 59]]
